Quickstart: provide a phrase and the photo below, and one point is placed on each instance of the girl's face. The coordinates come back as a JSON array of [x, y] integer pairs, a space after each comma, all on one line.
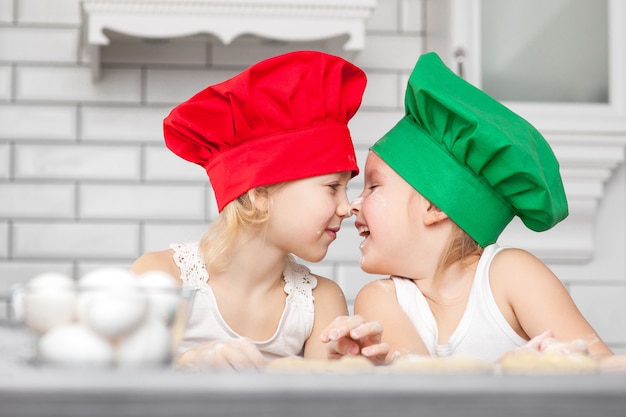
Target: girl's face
[[306, 214], [387, 217]]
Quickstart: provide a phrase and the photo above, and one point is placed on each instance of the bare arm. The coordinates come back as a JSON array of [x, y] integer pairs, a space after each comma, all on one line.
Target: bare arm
[[534, 300], [157, 261], [330, 303], [377, 301]]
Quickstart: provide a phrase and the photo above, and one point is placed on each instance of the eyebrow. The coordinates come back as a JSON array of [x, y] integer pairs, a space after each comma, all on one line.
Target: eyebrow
[[373, 171]]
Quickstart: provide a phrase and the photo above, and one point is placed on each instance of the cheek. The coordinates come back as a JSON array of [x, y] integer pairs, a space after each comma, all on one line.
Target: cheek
[[387, 219], [308, 215], [379, 199], [374, 207]]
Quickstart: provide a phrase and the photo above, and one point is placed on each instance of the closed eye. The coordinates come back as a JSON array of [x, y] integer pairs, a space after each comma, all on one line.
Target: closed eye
[[336, 185]]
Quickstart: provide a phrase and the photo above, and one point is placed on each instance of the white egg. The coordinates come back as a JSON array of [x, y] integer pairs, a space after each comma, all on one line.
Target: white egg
[[107, 277], [111, 302], [163, 294], [48, 300], [51, 280], [74, 344], [113, 313], [150, 344]]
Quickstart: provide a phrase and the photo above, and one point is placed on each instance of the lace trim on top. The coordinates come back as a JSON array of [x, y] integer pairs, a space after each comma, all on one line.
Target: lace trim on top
[[193, 273], [299, 284]]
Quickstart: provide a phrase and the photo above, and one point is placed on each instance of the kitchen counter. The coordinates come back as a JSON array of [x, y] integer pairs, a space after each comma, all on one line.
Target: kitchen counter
[[28, 390]]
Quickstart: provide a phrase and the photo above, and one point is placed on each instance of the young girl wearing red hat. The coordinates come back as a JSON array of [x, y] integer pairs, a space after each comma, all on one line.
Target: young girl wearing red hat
[[440, 187], [276, 147]]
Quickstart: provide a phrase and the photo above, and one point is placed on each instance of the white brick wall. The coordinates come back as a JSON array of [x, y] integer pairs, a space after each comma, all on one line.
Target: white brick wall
[[65, 84], [85, 180], [46, 45], [5, 82], [77, 161], [5, 160], [25, 121], [48, 12], [121, 123], [37, 200]]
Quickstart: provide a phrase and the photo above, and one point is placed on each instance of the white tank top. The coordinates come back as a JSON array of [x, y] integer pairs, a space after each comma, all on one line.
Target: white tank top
[[206, 323], [483, 332]]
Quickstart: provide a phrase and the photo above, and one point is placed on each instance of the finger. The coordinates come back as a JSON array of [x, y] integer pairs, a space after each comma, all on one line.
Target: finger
[[377, 354], [370, 330], [381, 349], [535, 342], [325, 334], [548, 344], [346, 327], [332, 352], [338, 328], [345, 346]]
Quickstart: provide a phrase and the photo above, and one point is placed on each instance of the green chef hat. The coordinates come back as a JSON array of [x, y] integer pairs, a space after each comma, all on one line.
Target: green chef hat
[[471, 156]]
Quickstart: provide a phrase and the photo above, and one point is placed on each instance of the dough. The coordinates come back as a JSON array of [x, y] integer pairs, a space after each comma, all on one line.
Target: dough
[[296, 364], [436, 365], [351, 364], [552, 363]]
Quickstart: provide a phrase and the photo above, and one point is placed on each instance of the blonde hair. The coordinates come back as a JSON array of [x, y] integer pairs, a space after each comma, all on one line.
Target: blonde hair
[[239, 215], [460, 247]]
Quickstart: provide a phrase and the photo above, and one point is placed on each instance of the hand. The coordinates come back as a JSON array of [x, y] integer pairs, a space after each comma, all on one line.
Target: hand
[[228, 354], [547, 343], [352, 335]]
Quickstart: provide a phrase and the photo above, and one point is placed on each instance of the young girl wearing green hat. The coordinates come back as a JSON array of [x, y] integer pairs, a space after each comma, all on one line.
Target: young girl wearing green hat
[[440, 187]]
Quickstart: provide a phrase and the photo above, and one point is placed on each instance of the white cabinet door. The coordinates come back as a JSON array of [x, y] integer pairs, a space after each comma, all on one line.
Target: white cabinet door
[[560, 63]]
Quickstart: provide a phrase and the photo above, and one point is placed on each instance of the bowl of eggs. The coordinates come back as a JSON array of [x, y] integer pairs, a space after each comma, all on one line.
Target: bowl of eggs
[[109, 317]]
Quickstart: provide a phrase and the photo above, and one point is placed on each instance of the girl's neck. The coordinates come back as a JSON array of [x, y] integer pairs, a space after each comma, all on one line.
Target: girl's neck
[[451, 284], [253, 264]]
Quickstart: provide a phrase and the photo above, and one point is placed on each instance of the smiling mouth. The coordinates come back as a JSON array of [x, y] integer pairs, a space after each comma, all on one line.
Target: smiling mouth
[[364, 231], [332, 232]]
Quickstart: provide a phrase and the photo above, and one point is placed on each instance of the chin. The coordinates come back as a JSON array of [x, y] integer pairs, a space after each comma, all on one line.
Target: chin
[[368, 266], [371, 266], [314, 258]]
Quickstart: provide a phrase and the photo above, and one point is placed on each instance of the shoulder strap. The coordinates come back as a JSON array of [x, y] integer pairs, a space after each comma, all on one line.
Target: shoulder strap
[[193, 271]]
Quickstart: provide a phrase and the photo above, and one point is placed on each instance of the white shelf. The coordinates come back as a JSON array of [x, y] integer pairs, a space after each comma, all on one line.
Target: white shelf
[[283, 20]]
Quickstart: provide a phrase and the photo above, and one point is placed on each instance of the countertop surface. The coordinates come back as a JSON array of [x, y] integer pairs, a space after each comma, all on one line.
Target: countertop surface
[[29, 390]]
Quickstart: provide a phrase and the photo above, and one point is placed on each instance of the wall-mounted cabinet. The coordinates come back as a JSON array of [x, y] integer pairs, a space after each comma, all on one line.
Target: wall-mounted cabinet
[[561, 65], [283, 20]]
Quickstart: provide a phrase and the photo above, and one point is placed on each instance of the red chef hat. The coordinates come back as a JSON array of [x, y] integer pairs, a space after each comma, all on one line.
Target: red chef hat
[[282, 119]]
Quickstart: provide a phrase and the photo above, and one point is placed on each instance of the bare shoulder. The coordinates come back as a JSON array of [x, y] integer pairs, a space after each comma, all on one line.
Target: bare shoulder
[[514, 264], [327, 286], [330, 302], [376, 298], [516, 274], [156, 261], [378, 288], [514, 255]]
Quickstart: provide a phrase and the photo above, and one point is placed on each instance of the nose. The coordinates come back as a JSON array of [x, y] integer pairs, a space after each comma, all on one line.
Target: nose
[[344, 209], [355, 205]]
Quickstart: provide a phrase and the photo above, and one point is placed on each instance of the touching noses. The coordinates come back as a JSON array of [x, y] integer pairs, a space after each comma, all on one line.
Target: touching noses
[[355, 205], [344, 208]]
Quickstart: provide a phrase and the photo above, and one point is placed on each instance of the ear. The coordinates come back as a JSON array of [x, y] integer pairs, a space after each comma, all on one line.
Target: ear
[[259, 199], [433, 215]]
